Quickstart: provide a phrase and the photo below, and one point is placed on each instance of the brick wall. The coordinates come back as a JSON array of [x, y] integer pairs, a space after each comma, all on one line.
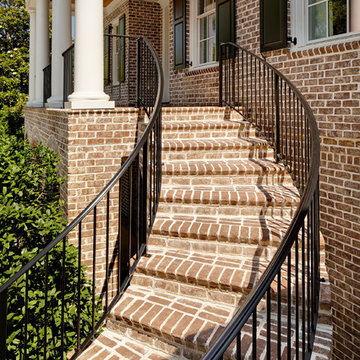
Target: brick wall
[[92, 145], [329, 78], [190, 87]]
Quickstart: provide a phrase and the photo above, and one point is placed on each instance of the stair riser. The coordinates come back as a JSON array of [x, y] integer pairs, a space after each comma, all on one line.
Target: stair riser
[[222, 210], [160, 340], [154, 340], [210, 154], [216, 114], [216, 293], [186, 287], [211, 247], [238, 179], [187, 134]]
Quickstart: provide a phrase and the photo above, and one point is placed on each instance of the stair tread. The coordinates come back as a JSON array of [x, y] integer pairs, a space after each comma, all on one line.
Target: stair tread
[[179, 319], [237, 274], [204, 125], [279, 195], [222, 167], [213, 144], [119, 347], [184, 321], [264, 230]]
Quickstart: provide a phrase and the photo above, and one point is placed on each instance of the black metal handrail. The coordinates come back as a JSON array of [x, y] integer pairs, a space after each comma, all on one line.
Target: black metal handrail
[[126, 208], [265, 97], [68, 81], [46, 83]]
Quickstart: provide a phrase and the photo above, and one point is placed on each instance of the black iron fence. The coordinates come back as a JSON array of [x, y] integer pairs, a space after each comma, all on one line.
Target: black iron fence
[[278, 318], [46, 83], [56, 303]]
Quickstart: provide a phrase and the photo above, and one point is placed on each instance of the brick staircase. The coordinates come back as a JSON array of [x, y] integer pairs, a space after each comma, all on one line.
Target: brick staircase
[[225, 206]]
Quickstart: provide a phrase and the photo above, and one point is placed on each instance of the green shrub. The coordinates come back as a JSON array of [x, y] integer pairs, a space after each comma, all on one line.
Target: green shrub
[[30, 217]]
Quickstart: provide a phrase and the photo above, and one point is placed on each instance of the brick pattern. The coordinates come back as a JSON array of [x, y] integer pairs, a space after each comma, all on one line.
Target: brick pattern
[[92, 145], [111, 346], [200, 267], [329, 77]]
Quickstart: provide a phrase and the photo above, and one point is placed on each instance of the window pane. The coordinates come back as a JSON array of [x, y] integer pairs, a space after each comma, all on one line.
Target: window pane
[[212, 25], [205, 6], [203, 52], [314, 1], [337, 17], [317, 21], [212, 49], [203, 28]]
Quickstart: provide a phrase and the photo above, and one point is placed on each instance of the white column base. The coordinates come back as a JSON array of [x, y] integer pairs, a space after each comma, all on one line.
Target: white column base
[[90, 104], [37, 103], [55, 102], [89, 100]]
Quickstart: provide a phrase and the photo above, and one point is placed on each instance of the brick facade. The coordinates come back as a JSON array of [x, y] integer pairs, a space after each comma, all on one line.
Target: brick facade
[[92, 145], [329, 78]]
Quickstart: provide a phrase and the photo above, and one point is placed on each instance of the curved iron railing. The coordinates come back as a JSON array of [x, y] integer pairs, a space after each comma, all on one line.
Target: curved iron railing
[[58, 321], [278, 318]]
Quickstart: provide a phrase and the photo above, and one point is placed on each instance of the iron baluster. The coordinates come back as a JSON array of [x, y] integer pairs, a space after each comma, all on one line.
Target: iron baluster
[[3, 321], [79, 289]]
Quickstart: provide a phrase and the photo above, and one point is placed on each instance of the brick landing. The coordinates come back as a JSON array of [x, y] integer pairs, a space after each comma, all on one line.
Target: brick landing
[[224, 209]]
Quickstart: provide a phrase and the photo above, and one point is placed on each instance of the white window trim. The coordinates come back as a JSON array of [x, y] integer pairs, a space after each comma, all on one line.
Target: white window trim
[[300, 30], [194, 49]]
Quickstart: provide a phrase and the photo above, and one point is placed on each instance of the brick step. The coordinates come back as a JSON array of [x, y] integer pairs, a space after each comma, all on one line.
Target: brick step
[[186, 325], [160, 242], [217, 148], [247, 230], [110, 345], [250, 200], [224, 172], [233, 274], [207, 129], [207, 271], [203, 113]]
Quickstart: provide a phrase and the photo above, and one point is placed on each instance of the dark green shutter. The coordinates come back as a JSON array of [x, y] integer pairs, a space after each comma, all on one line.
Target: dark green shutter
[[225, 23], [273, 24], [107, 56], [179, 34], [121, 62]]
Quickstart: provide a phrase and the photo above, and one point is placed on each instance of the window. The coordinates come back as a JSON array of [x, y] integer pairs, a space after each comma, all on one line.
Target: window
[[331, 17], [206, 20], [211, 22], [325, 20]]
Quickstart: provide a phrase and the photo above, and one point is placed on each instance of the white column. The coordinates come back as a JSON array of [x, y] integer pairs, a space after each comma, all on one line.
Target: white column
[[61, 40], [32, 63], [355, 15], [42, 48], [89, 57]]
